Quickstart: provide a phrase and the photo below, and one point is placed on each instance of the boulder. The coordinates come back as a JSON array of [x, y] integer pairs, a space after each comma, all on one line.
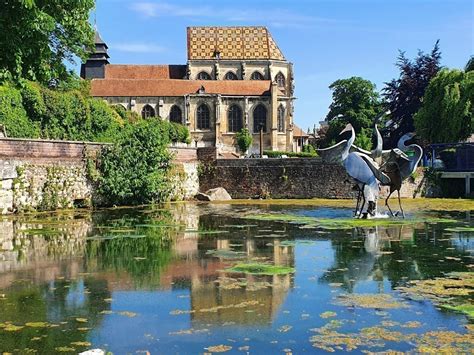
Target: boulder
[[217, 194]]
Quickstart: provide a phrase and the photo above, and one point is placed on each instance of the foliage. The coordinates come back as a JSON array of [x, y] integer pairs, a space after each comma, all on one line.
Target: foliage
[[244, 139], [126, 115], [41, 35], [134, 170], [13, 115], [363, 139], [447, 111], [404, 95], [278, 154], [106, 124], [178, 132], [469, 65], [355, 101], [308, 148]]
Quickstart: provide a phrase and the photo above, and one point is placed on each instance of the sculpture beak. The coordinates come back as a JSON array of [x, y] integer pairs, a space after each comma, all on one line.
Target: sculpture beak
[[348, 128]]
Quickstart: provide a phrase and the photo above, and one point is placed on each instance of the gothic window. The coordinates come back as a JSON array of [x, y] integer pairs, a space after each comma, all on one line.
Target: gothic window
[[230, 75], [234, 116], [175, 114], [203, 76], [148, 111], [260, 119], [281, 119], [280, 79], [256, 75], [203, 117]]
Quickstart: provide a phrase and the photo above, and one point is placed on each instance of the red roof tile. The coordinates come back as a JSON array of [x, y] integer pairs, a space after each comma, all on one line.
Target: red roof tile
[[298, 132], [172, 87], [119, 71]]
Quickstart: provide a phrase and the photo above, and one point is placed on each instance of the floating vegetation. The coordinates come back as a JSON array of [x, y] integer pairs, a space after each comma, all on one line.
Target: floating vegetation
[[189, 331], [216, 308], [284, 328], [261, 269], [81, 320], [451, 292], [367, 300], [218, 348], [37, 324], [328, 314], [242, 226], [81, 343], [461, 229], [65, 349], [344, 223], [226, 254], [127, 314], [198, 231], [445, 342]]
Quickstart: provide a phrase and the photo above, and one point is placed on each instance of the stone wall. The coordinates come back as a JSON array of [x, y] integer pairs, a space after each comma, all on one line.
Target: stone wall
[[286, 178]]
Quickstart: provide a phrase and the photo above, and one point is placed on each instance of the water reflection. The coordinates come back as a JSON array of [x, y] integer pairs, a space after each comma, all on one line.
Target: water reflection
[[84, 274]]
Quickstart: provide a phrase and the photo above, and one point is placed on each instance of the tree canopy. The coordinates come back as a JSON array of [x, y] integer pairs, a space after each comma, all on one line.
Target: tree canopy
[[403, 96], [447, 112], [355, 101], [38, 35]]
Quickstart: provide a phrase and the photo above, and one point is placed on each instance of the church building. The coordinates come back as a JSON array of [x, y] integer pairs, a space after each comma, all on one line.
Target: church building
[[235, 77]]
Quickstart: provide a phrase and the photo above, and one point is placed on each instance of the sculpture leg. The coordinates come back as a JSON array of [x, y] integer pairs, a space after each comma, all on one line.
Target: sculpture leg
[[386, 203], [363, 202], [358, 201], [400, 203]]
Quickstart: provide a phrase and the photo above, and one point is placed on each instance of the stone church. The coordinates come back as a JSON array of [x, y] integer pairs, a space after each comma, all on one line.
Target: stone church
[[235, 77]]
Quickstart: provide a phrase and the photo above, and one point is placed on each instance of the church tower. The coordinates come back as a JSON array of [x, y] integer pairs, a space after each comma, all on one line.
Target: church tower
[[94, 67]]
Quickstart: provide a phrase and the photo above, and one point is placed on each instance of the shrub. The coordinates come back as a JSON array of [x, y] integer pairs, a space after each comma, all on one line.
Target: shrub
[[32, 100], [135, 169], [278, 154], [244, 139], [106, 123], [178, 133], [127, 115], [14, 117], [308, 148]]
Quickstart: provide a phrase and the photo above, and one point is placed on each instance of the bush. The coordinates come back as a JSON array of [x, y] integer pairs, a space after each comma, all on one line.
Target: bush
[[178, 133], [127, 115], [32, 100], [106, 124], [278, 154], [308, 148], [13, 115], [244, 139], [135, 169]]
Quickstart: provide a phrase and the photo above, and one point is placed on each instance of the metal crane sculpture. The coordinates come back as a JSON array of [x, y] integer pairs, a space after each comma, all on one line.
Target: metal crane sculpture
[[398, 166], [360, 167]]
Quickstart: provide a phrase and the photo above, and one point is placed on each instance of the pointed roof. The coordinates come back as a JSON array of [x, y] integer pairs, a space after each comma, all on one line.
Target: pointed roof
[[252, 42]]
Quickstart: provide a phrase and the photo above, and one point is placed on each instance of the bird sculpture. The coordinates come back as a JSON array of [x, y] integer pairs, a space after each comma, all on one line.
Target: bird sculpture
[[398, 166], [361, 168]]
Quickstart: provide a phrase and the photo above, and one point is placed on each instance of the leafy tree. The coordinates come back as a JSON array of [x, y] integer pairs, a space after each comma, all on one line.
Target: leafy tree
[[135, 169], [403, 96], [355, 101], [447, 112], [244, 139], [470, 64], [38, 35]]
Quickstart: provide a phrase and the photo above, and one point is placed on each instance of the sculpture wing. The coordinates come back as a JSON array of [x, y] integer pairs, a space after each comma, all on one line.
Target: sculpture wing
[[382, 177], [332, 154]]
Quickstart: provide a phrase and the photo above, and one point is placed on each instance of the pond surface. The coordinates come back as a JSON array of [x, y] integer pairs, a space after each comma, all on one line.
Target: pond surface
[[177, 279]]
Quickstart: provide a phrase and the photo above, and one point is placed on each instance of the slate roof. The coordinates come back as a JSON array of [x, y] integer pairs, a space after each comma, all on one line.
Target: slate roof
[[175, 87], [232, 43]]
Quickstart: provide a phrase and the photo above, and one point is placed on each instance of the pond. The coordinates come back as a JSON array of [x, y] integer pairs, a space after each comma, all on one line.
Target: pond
[[238, 278]]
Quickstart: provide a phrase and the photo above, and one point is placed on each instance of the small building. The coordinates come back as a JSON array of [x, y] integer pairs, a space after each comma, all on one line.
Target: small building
[[300, 139], [235, 77]]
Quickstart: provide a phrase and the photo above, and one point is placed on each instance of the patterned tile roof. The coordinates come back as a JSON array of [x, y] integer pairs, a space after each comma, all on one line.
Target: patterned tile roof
[[172, 87], [119, 71], [232, 43]]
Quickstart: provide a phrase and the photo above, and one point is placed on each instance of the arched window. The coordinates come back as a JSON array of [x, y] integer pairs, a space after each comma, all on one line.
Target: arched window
[[148, 111], [203, 117], [256, 75], [230, 75], [281, 119], [280, 79], [260, 119], [203, 76], [175, 114], [234, 116]]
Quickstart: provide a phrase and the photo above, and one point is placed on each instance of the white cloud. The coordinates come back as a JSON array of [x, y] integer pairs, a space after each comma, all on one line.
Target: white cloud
[[137, 47], [275, 17]]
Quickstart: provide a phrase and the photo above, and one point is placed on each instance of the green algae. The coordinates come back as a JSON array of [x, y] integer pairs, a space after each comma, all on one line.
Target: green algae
[[344, 223], [460, 229], [226, 254], [261, 269], [466, 308]]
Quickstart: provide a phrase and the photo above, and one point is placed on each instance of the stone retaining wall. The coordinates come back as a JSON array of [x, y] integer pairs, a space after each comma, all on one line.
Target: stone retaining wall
[[286, 178]]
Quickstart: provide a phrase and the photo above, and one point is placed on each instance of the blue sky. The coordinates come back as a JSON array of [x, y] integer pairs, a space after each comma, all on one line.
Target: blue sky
[[325, 39]]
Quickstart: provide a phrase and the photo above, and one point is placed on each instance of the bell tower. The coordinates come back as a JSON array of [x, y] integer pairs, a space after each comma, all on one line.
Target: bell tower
[[94, 67]]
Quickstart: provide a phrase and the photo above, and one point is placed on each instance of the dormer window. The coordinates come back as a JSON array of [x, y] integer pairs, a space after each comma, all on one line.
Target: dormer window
[[203, 76], [230, 76], [256, 75]]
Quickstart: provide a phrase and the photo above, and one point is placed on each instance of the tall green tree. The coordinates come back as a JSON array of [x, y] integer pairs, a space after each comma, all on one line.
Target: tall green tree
[[37, 36], [355, 101], [447, 112], [403, 96]]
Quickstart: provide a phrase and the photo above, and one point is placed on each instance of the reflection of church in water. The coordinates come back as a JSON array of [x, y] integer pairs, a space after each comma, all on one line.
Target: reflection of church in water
[[211, 287]]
